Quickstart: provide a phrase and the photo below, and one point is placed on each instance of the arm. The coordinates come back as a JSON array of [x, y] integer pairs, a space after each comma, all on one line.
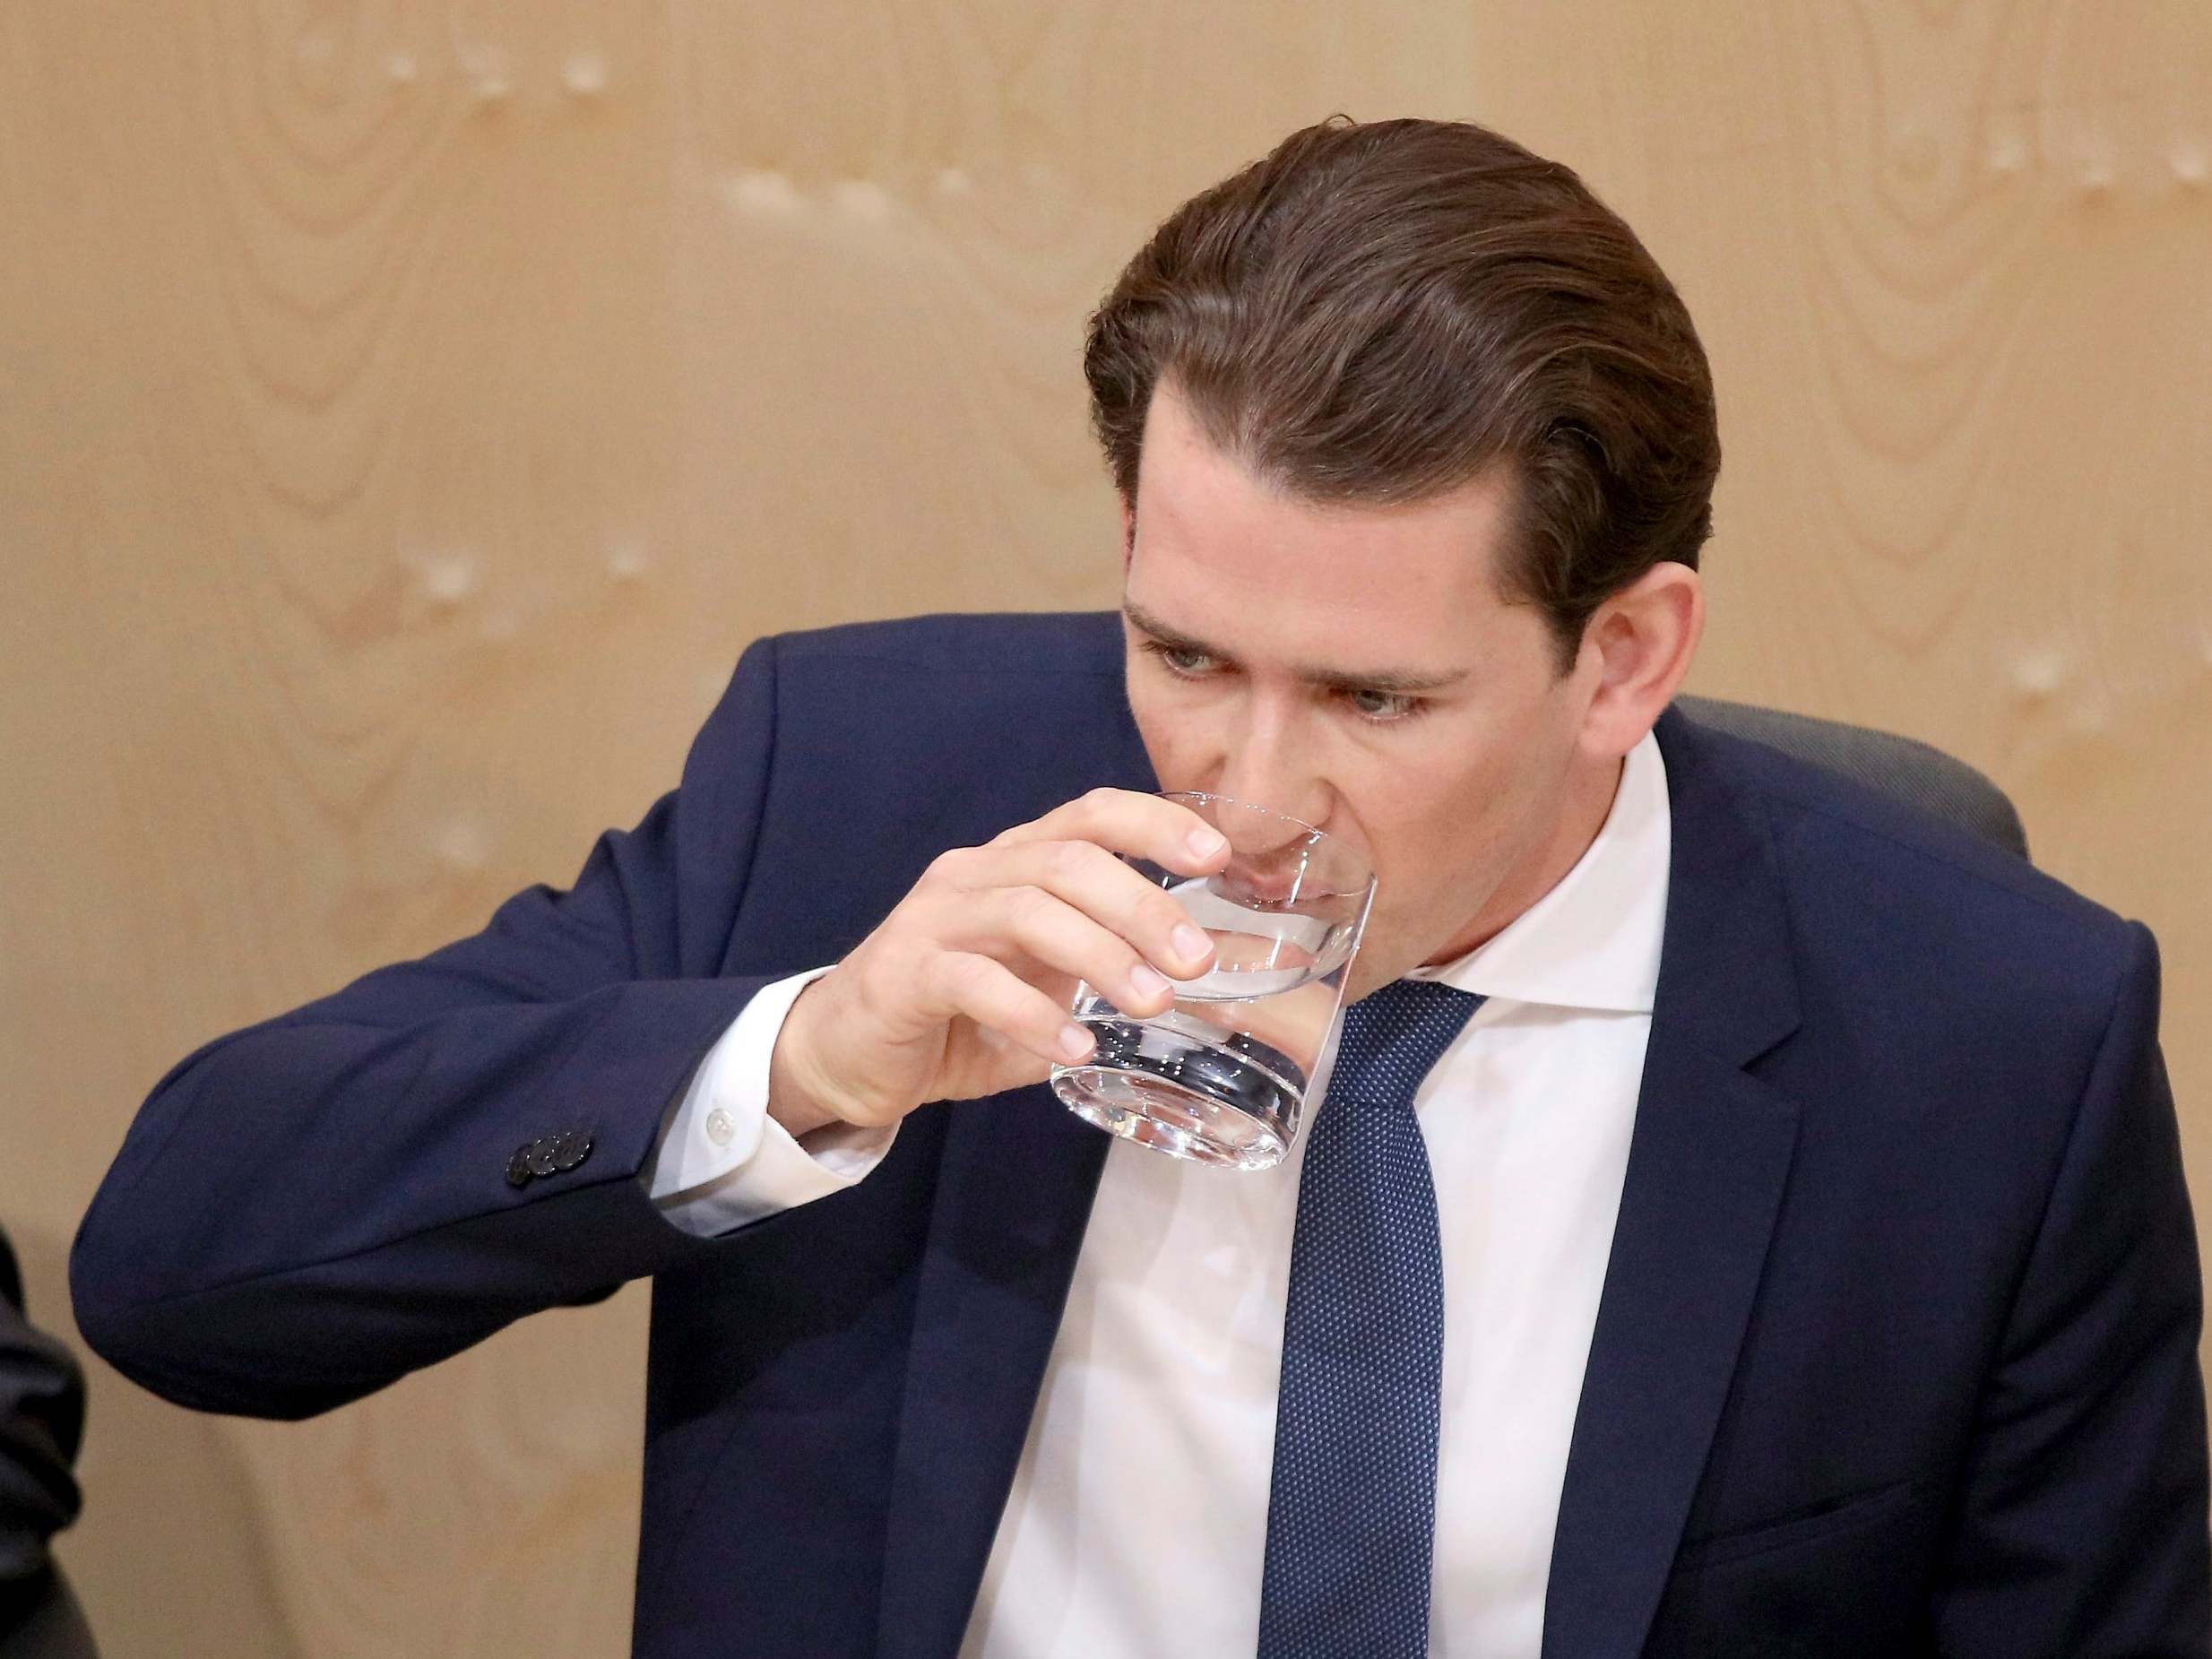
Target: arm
[[308, 1209], [2081, 1529]]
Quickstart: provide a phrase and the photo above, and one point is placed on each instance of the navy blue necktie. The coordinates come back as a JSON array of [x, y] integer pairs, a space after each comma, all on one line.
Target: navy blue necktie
[[1352, 1507]]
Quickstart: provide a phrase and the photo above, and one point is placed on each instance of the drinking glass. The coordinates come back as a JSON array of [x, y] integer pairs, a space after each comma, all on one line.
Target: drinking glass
[[1228, 1072]]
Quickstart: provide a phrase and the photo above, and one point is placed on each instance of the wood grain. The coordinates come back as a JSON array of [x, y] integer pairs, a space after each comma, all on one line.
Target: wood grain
[[411, 408]]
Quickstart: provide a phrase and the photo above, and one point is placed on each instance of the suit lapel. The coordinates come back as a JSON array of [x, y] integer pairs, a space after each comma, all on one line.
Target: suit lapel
[[1014, 1190], [1707, 1158]]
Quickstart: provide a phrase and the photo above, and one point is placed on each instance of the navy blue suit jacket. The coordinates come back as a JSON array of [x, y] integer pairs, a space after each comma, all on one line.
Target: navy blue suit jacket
[[1897, 1347]]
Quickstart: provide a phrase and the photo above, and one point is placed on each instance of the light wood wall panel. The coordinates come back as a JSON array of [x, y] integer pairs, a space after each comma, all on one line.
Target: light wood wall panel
[[408, 410]]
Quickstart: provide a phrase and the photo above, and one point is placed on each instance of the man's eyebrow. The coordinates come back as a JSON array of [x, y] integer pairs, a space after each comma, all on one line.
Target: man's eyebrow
[[1390, 681]]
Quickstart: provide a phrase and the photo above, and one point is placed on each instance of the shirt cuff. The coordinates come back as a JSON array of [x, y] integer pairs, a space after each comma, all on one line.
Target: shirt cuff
[[722, 1162]]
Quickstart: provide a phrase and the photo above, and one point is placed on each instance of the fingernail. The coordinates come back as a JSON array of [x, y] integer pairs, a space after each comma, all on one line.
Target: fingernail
[[1206, 842], [1189, 943], [1145, 982], [1074, 1042]]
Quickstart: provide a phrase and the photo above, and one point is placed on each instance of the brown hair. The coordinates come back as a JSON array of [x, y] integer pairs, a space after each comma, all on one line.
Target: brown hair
[[1378, 312]]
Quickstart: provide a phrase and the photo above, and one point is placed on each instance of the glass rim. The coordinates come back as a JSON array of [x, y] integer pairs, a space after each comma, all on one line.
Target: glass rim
[[1317, 840], [1250, 805]]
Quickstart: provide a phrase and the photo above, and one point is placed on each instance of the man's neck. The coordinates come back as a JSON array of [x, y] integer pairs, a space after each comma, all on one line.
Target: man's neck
[[1589, 804]]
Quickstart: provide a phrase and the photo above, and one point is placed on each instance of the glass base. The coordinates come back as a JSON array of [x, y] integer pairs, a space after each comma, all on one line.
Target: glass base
[[1222, 1099]]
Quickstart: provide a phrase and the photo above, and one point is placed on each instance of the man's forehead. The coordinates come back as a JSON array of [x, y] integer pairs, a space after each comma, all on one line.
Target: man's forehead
[[1206, 519]]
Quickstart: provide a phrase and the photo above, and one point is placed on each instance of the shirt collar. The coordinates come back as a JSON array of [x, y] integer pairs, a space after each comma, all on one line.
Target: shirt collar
[[1594, 940]]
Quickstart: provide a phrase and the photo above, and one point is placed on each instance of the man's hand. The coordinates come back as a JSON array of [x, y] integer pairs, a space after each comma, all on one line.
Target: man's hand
[[963, 991]]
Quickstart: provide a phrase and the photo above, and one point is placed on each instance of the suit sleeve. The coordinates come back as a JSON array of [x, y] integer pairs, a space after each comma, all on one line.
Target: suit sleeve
[[2082, 1522], [308, 1209]]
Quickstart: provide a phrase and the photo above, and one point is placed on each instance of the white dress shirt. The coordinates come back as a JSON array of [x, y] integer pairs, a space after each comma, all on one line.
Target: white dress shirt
[[1138, 1520]]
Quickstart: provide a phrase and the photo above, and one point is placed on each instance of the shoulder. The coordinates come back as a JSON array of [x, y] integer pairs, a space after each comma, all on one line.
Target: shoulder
[[1917, 919], [920, 690], [952, 691], [1081, 644], [925, 732]]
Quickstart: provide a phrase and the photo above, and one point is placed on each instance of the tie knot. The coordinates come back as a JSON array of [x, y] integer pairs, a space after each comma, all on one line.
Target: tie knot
[[1394, 1036]]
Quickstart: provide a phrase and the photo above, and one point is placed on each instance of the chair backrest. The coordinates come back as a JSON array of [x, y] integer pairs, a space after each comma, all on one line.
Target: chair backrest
[[1904, 767]]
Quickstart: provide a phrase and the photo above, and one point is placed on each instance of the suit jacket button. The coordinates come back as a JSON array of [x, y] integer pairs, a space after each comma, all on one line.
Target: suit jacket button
[[571, 1149], [538, 1155], [518, 1168]]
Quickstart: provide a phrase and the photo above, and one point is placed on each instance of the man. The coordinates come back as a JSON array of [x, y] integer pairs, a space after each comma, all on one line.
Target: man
[[41, 1423], [1794, 1257]]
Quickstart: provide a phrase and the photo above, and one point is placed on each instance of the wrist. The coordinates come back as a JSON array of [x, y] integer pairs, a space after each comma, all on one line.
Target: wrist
[[798, 1100]]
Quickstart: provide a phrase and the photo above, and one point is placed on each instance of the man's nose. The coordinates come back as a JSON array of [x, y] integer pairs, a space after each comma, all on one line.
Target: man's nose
[[1270, 767]]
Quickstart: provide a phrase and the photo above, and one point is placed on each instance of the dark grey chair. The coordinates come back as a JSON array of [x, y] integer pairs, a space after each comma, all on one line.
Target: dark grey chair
[[1902, 767]]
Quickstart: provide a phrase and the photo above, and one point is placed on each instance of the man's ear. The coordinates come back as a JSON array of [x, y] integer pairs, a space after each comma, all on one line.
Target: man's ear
[[1637, 650]]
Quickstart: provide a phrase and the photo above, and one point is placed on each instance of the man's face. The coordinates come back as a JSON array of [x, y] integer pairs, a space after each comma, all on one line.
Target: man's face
[[1356, 668]]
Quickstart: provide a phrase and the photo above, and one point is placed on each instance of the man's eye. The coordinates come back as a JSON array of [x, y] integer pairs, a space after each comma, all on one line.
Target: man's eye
[[1386, 707], [1189, 664], [1377, 708]]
